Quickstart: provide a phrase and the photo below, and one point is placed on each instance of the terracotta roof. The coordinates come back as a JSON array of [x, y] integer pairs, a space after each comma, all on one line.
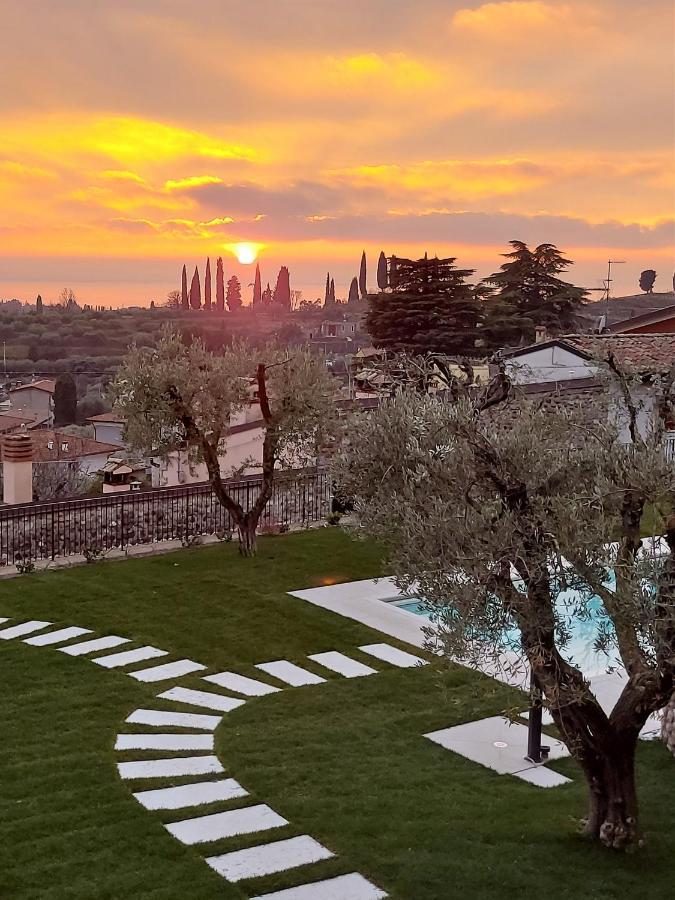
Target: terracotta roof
[[44, 384], [641, 352], [111, 417], [648, 318], [621, 308], [66, 446], [13, 420]]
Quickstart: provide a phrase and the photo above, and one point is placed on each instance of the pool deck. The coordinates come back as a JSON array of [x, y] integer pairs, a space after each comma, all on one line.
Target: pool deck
[[489, 741]]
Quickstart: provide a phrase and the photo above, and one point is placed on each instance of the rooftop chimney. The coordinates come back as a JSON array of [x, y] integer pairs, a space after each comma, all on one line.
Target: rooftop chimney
[[540, 334], [17, 468]]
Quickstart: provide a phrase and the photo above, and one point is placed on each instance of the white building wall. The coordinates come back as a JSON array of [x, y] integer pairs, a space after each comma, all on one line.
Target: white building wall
[[550, 363], [176, 469], [109, 432]]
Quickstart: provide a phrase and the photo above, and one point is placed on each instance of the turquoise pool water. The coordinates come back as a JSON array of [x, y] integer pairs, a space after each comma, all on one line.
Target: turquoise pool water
[[579, 649]]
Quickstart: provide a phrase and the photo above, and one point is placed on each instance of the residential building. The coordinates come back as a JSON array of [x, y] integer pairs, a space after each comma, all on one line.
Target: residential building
[[108, 428], [88, 455], [37, 396], [21, 419], [660, 321], [574, 363]]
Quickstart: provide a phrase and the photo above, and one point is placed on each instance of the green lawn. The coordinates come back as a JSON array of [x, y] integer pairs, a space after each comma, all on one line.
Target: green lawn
[[345, 762]]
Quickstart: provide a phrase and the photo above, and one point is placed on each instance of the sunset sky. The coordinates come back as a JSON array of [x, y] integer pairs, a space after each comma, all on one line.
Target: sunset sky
[[138, 135]]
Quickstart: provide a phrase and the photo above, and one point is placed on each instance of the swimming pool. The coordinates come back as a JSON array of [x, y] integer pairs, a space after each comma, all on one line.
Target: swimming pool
[[580, 649]]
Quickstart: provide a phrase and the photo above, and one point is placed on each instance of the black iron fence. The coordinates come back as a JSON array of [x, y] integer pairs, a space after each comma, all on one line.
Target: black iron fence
[[94, 526]]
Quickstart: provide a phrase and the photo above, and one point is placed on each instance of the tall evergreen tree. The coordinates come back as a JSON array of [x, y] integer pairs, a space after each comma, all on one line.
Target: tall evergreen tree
[[184, 301], [363, 276], [282, 290], [382, 281], [430, 309], [220, 285], [207, 286], [38, 304], [331, 293], [353, 292], [526, 292], [257, 288], [195, 291], [266, 298], [65, 401], [326, 298], [233, 294]]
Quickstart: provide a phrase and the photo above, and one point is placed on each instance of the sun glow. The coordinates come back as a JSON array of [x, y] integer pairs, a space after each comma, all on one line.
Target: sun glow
[[245, 253]]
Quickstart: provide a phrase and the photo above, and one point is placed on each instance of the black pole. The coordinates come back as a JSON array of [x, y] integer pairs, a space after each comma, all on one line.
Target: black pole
[[534, 722]]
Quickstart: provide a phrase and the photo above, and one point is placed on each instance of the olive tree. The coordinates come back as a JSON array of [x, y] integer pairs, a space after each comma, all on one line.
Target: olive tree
[[180, 396], [491, 510]]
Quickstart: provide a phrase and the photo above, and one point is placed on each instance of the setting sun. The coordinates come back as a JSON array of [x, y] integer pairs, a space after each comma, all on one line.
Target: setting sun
[[245, 253]]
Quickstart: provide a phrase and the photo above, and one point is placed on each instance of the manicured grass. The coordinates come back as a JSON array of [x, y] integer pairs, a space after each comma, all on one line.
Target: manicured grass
[[345, 762]]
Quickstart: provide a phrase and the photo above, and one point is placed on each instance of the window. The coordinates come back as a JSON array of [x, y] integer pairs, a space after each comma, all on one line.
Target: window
[[50, 445], [64, 446]]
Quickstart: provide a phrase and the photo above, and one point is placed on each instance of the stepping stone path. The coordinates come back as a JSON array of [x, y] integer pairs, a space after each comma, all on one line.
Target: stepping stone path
[[241, 685], [344, 887], [56, 637], [267, 859], [159, 718], [272, 856], [290, 673], [343, 665], [128, 656], [195, 794], [206, 829], [168, 670]]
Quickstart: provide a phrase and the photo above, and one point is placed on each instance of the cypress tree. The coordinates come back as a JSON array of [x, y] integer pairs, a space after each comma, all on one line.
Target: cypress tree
[[220, 285], [331, 293], [195, 291], [65, 401], [38, 304], [184, 291], [257, 288], [282, 290], [526, 292], [326, 298], [382, 280], [207, 286], [429, 309], [353, 292], [233, 294], [363, 276], [266, 299]]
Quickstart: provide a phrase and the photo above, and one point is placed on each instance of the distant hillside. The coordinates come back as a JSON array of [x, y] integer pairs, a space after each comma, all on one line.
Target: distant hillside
[[620, 308]]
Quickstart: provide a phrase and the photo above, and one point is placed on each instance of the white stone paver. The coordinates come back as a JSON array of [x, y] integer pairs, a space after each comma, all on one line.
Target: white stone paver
[[226, 824], [494, 742], [168, 670], [195, 794], [127, 657], [170, 768], [393, 655], [3, 619], [344, 887], [265, 859], [19, 630], [541, 776], [291, 674], [160, 718], [242, 685], [206, 699], [164, 742], [343, 665], [102, 643], [55, 637]]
